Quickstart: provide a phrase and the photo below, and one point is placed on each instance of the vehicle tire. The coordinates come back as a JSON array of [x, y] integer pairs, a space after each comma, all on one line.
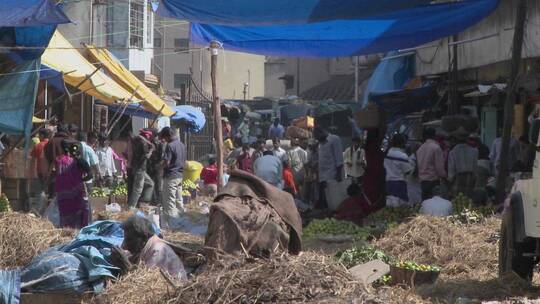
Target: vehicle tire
[[511, 252]]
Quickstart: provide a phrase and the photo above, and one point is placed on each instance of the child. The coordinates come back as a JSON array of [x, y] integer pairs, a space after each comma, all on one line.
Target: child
[[288, 179]]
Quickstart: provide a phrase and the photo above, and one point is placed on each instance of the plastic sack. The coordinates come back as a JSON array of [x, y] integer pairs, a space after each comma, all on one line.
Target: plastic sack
[[114, 208], [336, 193], [52, 213]]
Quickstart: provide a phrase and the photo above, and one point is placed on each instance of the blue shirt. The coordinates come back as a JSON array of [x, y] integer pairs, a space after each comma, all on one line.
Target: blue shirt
[[89, 155], [175, 154], [276, 132]]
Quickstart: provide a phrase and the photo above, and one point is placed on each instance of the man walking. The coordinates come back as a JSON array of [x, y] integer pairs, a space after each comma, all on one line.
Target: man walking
[[141, 151], [330, 161], [276, 130], [430, 158], [462, 164], [270, 169], [174, 158], [90, 156]]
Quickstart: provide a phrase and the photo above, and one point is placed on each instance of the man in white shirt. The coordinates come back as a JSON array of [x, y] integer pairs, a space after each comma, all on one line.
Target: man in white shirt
[[297, 160], [107, 168], [355, 160], [330, 161], [90, 156], [270, 169], [278, 150], [436, 206], [397, 165]]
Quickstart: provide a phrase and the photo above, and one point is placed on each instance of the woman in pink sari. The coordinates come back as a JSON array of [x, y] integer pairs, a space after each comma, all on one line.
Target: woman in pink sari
[[71, 173]]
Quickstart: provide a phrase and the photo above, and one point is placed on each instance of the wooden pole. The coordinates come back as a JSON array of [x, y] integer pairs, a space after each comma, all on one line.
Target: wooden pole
[[218, 135], [517, 48]]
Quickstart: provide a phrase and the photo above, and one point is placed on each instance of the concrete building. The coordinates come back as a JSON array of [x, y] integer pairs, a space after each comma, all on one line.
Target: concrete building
[[125, 28], [298, 76], [177, 59]]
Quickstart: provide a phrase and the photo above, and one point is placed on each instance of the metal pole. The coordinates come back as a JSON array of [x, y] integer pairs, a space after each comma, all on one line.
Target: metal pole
[[356, 93], [517, 48], [218, 135], [298, 77]]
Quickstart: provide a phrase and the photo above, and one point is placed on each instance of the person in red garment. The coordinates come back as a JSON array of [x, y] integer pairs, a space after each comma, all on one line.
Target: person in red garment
[[289, 185], [244, 161], [372, 195], [209, 176]]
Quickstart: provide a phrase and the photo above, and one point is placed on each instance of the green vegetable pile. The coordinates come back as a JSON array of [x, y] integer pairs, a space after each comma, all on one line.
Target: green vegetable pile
[[4, 204], [186, 192], [188, 185], [393, 214], [360, 255], [416, 266], [99, 192], [332, 226], [120, 190]]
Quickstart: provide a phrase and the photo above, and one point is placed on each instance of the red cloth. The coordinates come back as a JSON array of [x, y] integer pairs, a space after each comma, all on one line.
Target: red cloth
[[288, 180], [38, 153], [209, 175], [245, 162], [372, 197]]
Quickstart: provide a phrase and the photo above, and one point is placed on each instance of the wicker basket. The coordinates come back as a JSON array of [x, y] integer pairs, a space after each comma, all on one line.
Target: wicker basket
[[412, 277]]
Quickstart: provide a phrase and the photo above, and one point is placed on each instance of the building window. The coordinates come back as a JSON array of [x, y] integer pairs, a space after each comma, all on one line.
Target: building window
[[136, 24], [157, 42], [181, 44], [181, 80]]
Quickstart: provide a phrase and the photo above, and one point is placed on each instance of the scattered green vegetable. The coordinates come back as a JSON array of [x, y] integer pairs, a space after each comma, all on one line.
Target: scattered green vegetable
[[359, 255], [189, 185], [99, 192], [120, 190], [335, 227]]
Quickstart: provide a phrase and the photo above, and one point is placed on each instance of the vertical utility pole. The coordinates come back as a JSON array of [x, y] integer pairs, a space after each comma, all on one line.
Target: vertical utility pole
[[298, 77], [356, 84], [517, 48], [218, 135], [455, 75]]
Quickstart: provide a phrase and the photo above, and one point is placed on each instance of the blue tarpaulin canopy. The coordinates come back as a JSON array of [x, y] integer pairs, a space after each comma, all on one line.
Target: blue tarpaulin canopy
[[390, 31], [266, 12], [194, 117], [24, 13]]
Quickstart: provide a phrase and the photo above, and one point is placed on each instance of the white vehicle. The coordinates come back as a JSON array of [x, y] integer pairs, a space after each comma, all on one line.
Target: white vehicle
[[519, 246]]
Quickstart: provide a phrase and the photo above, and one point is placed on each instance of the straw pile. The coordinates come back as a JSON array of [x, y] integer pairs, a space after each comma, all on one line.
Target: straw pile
[[308, 278], [462, 251], [23, 236], [142, 285]]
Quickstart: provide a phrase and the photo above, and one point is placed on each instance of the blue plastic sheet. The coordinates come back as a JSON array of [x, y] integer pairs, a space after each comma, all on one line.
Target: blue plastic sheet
[[10, 286], [377, 34], [392, 73], [17, 95], [23, 13], [78, 266], [194, 116], [267, 12]]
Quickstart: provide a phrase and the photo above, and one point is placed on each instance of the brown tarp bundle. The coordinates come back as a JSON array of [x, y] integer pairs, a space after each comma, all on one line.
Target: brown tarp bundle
[[253, 216]]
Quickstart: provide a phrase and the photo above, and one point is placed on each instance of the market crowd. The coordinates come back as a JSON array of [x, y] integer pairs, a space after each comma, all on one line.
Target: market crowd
[[376, 170], [70, 162]]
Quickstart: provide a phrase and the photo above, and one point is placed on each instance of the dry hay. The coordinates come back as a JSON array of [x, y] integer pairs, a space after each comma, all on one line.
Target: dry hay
[[140, 286], [307, 278], [23, 236], [462, 251]]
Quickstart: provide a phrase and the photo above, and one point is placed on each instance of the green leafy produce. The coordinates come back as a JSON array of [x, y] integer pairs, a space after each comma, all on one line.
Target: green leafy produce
[[393, 214], [360, 255], [120, 190], [4, 204], [335, 227], [99, 192], [385, 280], [466, 213], [189, 185], [186, 193], [417, 267]]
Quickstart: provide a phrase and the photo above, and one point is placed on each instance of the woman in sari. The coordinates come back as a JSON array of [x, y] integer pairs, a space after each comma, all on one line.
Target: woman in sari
[[71, 173]]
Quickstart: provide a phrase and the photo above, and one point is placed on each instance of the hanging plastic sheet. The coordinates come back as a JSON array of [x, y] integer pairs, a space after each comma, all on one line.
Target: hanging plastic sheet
[[249, 12], [17, 94], [194, 117], [391, 74], [396, 30], [399, 103], [23, 13]]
